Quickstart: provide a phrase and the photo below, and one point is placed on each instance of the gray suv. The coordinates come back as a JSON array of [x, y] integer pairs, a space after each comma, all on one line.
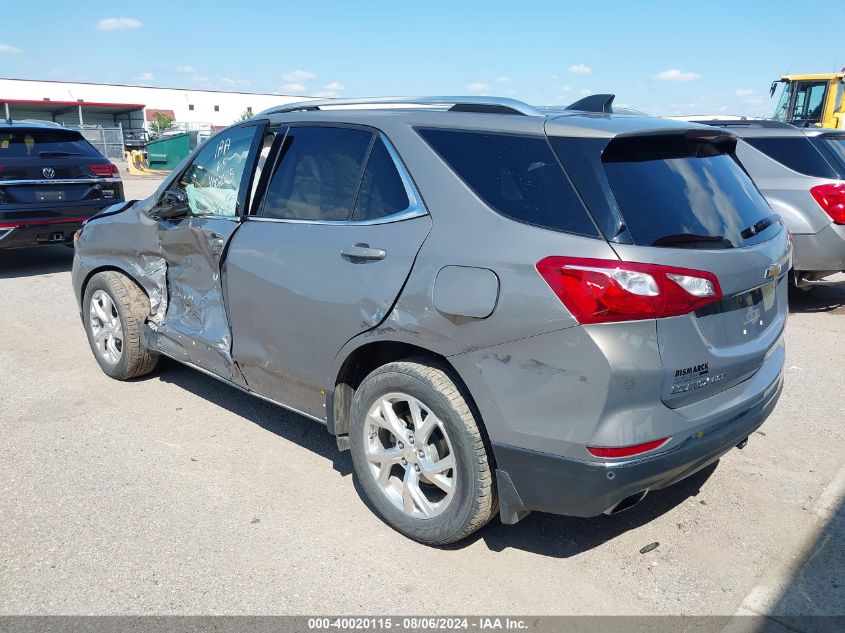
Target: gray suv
[[801, 173], [498, 309]]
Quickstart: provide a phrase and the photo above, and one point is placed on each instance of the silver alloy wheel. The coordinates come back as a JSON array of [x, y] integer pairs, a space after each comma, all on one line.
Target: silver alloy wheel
[[106, 328], [410, 455]]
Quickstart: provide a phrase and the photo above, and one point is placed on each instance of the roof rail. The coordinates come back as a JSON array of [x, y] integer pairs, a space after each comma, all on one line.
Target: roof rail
[[759, 123], [489, 105]]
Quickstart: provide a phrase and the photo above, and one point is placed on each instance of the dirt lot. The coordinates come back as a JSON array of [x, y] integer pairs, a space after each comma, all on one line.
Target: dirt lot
[[175, 494]]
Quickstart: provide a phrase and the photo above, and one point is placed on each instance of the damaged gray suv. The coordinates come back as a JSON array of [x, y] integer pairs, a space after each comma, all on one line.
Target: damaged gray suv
[[497, 308]]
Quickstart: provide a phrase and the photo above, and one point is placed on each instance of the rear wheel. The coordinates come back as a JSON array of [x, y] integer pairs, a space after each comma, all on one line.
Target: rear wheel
[[419, 454], [114, 311]]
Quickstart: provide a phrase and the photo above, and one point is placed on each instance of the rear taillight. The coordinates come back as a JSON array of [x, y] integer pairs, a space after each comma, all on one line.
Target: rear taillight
[[601, 290], [627, 451], [104, 169], [831, 198]]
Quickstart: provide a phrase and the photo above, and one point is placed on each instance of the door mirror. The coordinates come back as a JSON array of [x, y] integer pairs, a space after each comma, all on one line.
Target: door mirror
[[174, 204]]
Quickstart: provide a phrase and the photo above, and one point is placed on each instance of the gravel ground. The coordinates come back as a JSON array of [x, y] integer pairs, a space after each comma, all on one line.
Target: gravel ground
[[175, 494]]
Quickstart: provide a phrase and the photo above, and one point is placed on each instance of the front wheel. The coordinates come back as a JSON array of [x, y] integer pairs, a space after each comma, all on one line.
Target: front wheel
[[419, 454], [114, 311]]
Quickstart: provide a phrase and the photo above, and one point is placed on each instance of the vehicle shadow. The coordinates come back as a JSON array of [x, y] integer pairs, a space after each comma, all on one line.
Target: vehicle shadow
[[296, 428], [40, 260], [544, 534], [561, 536], [819, 299]]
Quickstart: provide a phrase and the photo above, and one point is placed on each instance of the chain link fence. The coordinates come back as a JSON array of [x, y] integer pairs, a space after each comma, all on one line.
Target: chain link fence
[[108, 140]]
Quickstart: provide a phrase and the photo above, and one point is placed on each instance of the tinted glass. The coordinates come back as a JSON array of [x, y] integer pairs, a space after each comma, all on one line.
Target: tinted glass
[[794, 152], [834, 149], [213, 179], [23, 143], [318, 173], [518, 176], [382, 191], [685, 195]]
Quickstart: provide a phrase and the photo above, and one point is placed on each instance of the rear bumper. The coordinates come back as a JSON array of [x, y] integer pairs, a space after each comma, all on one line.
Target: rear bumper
[[530, 480], [39, 234], [57, 227], [822, 251]]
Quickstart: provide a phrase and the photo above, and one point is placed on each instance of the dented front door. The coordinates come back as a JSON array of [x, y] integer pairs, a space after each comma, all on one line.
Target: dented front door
[[216, 181]]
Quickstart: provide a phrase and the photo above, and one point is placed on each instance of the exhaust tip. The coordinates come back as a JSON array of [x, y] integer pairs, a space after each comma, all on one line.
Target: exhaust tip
[[742, 444], [627, 503]]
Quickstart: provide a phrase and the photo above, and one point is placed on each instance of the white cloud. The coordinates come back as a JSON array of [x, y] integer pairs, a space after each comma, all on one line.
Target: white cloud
[[335, 86], [586, 92], [326, 94], [146, 77], [228, 81], [188, 70], [298, 76], [118, 24], [12, 50], [580, 69], [294, 87], [673, 74], [503, 80], [478, 87]]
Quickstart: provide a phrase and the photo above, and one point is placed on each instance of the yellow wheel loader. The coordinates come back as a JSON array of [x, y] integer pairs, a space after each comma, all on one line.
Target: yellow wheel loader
[[811, 100]]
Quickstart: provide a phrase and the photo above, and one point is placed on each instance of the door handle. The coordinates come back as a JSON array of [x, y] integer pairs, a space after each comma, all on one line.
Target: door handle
[[362, 251]]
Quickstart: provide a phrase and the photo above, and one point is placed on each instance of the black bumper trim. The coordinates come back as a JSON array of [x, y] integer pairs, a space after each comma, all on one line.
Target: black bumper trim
[[560, 485]]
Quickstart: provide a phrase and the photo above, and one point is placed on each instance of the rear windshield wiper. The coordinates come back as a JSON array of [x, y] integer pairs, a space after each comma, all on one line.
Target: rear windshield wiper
[[691, 240], [57, 153], [761, 226]]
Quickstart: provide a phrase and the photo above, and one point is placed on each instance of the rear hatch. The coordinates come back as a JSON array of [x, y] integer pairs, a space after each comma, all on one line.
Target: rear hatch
[[683, 202], [44, 168]]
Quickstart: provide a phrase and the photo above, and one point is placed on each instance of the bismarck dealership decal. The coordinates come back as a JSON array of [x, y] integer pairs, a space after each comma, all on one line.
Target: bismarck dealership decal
[[695, 377], [689, 372]]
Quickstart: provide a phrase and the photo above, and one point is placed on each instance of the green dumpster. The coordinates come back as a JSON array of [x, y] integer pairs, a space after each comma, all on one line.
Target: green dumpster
[[168, 152]]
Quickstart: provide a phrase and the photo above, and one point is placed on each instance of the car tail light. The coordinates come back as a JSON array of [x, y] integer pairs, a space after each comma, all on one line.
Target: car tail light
[[601, 290], [831, 198], [104, 169], [627, 451]]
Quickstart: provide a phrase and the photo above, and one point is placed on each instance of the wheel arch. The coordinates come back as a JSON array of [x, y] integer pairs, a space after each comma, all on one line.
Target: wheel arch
[[109, 268], [358, 362]]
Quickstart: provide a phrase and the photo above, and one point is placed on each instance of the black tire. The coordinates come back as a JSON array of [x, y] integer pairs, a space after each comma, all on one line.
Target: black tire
[[133, 308], [474, 501]]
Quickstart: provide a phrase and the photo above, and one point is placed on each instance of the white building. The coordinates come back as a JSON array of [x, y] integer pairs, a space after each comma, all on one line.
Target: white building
[[107, 105]]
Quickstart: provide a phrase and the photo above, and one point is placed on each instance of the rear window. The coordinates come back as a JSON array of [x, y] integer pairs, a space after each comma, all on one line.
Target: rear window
[[796, 153], [517, 176], [685, 194], [23, 143]]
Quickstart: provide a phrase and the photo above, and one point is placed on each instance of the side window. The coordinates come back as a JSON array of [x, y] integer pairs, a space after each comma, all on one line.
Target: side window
[[317, 174], [213, 179], [518, 176], [795, 152], [382, 190]]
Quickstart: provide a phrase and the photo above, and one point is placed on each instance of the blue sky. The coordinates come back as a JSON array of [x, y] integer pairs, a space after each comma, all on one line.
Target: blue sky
[[676, 57]]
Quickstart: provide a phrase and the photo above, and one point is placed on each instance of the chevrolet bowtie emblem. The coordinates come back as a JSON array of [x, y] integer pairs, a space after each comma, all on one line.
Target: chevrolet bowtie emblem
[[772, 272]]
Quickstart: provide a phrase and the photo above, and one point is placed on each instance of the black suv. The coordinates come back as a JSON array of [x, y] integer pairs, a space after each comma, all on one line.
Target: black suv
[[51, 181]]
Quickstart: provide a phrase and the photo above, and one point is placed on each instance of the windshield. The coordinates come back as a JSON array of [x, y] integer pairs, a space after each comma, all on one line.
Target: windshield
[[685, 194], [783, 102]]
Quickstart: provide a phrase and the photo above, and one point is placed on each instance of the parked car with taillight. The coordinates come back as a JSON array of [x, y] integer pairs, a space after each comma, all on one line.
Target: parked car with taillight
[[496, 308], [51, 181], [801, 173]]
